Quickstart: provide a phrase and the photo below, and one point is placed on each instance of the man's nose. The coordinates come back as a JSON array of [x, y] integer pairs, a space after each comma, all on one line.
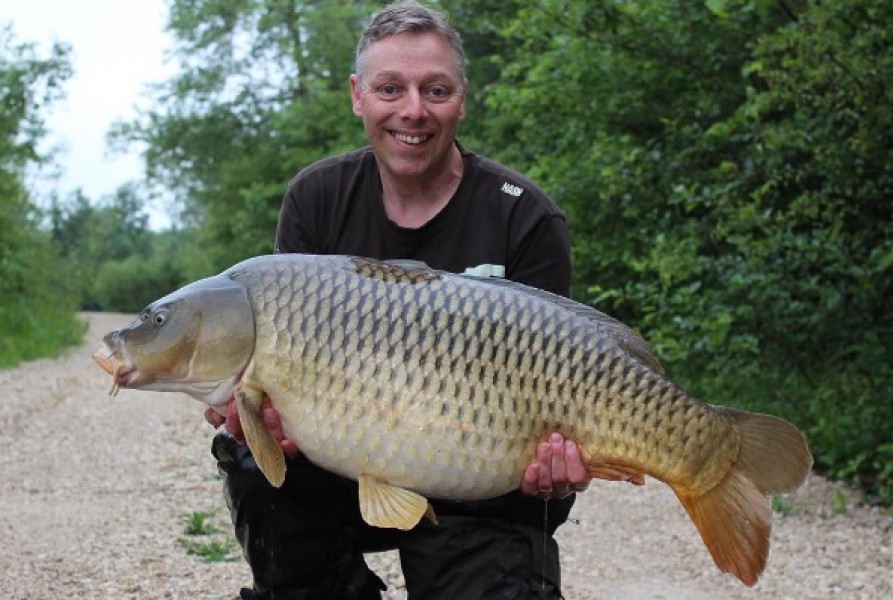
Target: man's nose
[[413, 105]]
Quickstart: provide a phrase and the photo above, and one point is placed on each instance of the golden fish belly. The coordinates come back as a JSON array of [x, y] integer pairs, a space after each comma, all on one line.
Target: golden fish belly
[[446, 389]]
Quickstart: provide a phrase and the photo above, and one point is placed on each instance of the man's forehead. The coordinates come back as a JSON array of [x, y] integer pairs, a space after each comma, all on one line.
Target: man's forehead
[[402, 53]]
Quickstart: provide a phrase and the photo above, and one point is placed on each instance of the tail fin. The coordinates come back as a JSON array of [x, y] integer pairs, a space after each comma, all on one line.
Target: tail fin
[[734, 517]]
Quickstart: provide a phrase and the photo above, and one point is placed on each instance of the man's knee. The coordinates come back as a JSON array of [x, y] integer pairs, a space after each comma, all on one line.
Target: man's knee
[[295, 546]]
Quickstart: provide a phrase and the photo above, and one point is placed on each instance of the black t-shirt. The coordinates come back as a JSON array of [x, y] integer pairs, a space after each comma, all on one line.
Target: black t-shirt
[[496, 217]]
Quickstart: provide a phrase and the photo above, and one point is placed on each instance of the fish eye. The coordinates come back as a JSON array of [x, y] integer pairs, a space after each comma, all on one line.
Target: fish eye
[[159, 317]]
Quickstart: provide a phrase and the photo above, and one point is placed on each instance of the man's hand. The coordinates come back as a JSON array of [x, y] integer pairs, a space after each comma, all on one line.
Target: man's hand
[[557, 470], [269, 416]]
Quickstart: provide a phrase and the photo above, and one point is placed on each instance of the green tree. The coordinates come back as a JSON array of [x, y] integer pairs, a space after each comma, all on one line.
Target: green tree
[[36, 314], [263, 92], [118, 263], [723, 166]]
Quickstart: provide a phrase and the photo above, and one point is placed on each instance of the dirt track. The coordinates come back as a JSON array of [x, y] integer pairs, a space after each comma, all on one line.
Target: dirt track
[[95, 491]]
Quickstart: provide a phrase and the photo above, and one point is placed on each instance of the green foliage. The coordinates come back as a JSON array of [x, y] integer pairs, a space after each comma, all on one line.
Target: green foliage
[[198, 522], [129, 285], [212, 551], [88, 235], [782, 505], [36, 312], [839, 503], [263, 92], [803, 232], [217, 547], [29, 331], [118, 264], [726, 173]]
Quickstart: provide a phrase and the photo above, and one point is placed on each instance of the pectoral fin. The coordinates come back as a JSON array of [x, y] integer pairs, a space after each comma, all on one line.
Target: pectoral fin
[[266, 451], [384, 505]]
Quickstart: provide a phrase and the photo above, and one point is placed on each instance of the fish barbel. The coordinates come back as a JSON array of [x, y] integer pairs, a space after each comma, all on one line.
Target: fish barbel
[[423, 384]]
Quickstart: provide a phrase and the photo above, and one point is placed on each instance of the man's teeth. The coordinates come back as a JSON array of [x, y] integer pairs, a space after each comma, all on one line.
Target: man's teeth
[[411, 139]]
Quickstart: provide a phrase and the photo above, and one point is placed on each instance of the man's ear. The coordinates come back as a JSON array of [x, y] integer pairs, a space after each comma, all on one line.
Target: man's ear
[[356, 97]]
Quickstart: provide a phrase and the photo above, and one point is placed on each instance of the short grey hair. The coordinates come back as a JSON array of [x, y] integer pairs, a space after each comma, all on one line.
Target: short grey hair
[[408, 17]]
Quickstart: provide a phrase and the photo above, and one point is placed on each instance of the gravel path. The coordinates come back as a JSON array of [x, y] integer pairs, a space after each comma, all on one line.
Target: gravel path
[[96, 492]]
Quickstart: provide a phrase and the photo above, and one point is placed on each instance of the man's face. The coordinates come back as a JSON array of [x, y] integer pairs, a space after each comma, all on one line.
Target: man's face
[[411, 98]]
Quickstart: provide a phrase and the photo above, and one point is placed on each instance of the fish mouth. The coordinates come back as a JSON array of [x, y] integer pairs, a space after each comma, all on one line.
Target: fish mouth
[[112, 362]]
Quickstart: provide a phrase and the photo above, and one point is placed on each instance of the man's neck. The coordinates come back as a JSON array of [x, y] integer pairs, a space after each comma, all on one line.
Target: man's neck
[[411, 203]]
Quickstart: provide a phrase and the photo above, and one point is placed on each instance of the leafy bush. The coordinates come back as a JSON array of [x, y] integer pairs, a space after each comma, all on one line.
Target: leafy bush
[[726, 172], [129, 285]]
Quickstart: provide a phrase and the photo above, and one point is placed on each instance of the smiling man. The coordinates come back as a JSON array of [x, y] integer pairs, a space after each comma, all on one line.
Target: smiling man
[[416, 194], [410, 93]]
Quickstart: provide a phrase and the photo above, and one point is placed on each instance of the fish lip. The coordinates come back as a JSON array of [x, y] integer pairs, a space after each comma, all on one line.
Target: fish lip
[[114, 363], [106, 358]]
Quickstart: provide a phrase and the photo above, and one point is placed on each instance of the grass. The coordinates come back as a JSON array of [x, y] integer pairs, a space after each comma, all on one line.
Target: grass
[[199, 523], [27, 334], [207, 540], [213, 551], [839, 503], [782, 505]]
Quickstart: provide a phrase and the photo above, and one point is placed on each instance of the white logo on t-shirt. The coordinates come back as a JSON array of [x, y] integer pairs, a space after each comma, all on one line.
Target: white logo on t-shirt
[[512, 189], [486, 271]]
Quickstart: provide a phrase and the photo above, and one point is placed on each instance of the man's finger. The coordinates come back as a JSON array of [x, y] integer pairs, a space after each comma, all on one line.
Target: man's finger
[[577, 475], [273, 423], [214, 418], [558, 461], [544, 459], [270, 417], [233, 424], [531, 478]]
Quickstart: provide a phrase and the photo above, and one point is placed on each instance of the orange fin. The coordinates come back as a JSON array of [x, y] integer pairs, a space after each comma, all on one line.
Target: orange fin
[[734, 517], [616, 473]]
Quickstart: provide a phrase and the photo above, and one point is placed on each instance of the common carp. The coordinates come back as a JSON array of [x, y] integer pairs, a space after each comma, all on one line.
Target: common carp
[[422, 384]]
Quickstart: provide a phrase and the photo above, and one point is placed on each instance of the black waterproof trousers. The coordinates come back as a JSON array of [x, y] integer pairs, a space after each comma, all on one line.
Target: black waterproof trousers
[[306, 540]]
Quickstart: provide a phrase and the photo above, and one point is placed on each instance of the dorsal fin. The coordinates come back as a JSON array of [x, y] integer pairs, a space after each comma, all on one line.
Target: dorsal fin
[[395, 271], [408, 263]]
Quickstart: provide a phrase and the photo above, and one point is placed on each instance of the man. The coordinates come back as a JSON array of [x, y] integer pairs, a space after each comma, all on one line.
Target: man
[[415, 194]]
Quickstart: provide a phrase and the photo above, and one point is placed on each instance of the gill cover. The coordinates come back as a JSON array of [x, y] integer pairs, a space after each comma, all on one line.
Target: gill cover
[[196, 340]]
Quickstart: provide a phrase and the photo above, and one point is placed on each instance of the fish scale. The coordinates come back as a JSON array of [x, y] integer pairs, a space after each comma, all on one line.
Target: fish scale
[[424, 384], [364, 302]]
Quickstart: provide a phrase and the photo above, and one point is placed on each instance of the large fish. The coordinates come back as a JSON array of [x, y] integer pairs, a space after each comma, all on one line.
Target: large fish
[[425, 384]]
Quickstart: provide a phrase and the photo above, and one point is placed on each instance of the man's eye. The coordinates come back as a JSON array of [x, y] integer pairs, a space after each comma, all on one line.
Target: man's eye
[[388, 90], [438, 93]]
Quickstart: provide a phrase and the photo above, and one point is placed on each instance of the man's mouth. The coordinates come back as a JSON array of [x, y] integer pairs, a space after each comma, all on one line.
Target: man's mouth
[[412, 139]]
